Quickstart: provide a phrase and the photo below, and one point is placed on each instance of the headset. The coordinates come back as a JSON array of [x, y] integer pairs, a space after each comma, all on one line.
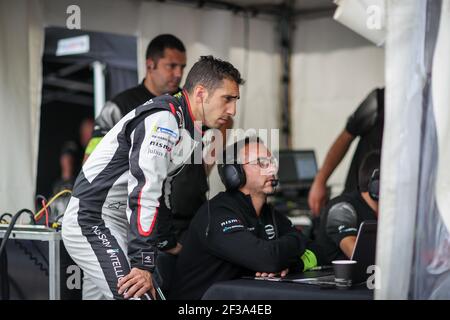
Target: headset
[[232, 173], [233, 176], [374, 185]]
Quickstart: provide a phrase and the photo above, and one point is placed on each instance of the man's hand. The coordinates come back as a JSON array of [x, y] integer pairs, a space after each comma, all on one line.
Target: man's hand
[[176, 250], [282, 274], [136, 283], [317, 196]]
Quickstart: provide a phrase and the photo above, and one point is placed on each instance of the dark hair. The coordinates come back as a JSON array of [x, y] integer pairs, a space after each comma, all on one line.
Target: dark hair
[[209, 72], [155, 49], [231, 153], [370, 163]]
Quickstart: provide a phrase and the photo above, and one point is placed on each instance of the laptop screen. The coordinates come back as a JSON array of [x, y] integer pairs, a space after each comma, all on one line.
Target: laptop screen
[[365, 248], [297, 166]]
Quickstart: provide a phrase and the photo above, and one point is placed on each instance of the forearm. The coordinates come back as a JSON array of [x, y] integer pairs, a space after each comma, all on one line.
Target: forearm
[[258, 254], [347, 245]]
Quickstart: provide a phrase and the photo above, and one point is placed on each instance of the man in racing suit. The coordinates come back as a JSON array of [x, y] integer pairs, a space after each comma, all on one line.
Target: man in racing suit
[[108, 227], [165, 62]]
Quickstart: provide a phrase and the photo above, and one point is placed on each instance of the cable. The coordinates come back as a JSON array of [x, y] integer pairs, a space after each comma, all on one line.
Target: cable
[[207, 181], [47, 211], [209, 210], [59, 194], [5, 215], [3, 257], [41, 197], [58, 217], [11, 226]]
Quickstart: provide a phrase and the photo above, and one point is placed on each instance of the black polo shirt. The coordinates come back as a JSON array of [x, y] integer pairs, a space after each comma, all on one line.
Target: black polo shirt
[[366, 123], [239, 243]]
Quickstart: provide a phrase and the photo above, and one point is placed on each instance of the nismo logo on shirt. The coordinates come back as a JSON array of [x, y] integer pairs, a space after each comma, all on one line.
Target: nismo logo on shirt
[[160, 145], [230, 221], [231, 225]]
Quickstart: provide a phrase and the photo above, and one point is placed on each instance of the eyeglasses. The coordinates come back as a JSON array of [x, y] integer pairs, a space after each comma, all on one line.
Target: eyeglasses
[[264, 162]]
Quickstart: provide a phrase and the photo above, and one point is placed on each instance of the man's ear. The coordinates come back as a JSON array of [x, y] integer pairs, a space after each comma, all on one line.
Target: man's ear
[[150, 63], [200, 94]]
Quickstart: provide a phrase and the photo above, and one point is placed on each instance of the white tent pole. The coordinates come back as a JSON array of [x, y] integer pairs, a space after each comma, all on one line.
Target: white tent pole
[[405, 76], [99, 86]]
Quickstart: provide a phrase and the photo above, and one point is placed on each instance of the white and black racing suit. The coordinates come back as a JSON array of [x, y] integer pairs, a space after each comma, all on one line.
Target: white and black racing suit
[[109, 224], [183, 202]]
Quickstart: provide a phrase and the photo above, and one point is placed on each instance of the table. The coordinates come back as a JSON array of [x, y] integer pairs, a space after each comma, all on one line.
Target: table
[[246, 289], [42, 233]]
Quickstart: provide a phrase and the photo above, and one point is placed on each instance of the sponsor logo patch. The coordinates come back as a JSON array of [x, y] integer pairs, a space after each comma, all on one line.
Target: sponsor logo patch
[[231, 225], [148, 259], [162, 244], [343, 229], [165, 130], [101, 236], [270, 231], [148, 102], [160, 145], [116, 205]]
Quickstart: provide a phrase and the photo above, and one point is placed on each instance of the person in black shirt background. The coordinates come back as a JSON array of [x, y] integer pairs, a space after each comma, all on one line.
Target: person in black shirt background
[[237, 233], [366, 123], [344, 214]]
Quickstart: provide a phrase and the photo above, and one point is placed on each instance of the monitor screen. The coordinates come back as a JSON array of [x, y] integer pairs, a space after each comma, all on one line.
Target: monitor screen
[[297, 166]]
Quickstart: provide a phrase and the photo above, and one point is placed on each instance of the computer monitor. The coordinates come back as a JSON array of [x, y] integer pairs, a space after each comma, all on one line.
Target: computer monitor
[[297, 166]]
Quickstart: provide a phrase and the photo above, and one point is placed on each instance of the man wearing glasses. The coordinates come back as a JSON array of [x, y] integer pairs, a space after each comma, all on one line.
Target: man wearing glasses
[[237, 233]]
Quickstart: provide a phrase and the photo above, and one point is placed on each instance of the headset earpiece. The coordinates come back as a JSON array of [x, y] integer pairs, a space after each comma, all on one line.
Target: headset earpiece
[[374, 185], [232, 175]]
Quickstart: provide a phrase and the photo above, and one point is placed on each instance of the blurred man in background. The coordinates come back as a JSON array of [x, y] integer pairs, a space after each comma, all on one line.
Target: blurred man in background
[[367, 123]]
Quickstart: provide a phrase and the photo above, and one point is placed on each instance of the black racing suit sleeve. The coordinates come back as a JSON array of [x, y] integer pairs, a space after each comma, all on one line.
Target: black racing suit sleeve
[[232, 241], [365, 116], [166, 234], [151, 143]]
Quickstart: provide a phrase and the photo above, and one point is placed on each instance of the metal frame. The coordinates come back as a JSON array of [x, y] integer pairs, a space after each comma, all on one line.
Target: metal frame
[[41, 233]]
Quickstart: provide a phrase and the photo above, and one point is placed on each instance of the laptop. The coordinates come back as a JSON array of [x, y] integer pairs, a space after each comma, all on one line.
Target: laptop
[[297, 168], [365, 249], [364, 253]]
